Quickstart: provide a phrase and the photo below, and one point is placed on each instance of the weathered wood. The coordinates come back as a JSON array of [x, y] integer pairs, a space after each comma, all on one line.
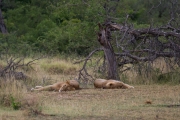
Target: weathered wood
[[2, 24], [104, 39]]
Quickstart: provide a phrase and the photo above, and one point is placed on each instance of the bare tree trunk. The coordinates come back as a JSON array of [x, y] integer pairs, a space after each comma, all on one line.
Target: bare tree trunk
[[111, 62], [104, 40], [2, 24]]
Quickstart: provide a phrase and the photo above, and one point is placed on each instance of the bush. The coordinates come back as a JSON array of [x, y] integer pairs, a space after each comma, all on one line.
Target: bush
[[16, 105], [170, 77]]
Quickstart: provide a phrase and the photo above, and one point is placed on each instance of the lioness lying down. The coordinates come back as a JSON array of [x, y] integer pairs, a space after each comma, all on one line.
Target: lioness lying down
[[110, 84], [59, 86]]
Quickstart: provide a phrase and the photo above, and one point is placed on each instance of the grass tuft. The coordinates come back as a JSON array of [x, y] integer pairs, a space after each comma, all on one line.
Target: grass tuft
[[59, 67], [11, 92]]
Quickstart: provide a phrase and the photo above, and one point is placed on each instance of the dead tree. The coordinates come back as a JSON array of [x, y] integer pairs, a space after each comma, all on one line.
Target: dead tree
[[11, 70], [123, 44], [104, 38]]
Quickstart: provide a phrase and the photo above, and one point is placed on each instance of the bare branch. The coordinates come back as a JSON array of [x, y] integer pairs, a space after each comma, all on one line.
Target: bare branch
[[13, 64], [83, 69], [87, 58]]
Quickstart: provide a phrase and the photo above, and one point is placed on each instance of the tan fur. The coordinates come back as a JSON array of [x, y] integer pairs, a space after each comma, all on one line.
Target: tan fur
[[37, 87], [60, 86], [74, 84], [70, 88], [98, 83], [110, 84]]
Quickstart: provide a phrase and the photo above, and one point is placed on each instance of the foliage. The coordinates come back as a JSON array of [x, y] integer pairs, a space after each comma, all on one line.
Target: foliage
[[171, 78], [14, 103], [11, 44], [70, 26], [53, 26]]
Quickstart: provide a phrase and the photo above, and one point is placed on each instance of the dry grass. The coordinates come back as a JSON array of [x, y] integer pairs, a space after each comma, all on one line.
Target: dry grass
[[145, 102], [100, 104], [48, 71], [149, 73], [116, 104], [56, 66], [10, 90]]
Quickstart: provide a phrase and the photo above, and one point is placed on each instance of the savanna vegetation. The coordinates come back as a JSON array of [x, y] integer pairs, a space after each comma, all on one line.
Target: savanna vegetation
[[46, 41]]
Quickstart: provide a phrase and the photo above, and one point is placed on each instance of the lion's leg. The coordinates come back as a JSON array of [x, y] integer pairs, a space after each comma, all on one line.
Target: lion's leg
[[37, 87], [46, 88], [126, 86], [62, 88], [32, 89], [70, 88]]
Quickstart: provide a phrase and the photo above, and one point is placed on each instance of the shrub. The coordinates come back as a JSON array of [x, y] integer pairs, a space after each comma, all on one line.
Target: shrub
[[170, 77], [16, 105], [11, 93]]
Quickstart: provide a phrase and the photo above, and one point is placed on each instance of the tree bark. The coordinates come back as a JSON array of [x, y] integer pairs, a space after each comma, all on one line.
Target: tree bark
[[2, 24], [104, 40]]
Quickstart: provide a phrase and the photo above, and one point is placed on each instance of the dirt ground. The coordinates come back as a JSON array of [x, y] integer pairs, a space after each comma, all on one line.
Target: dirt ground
[[144, 102]]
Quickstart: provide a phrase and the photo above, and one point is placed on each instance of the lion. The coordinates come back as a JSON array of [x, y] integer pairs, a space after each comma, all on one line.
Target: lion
[[69, 85], [98, 83], [74, 84], [110, 84]]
